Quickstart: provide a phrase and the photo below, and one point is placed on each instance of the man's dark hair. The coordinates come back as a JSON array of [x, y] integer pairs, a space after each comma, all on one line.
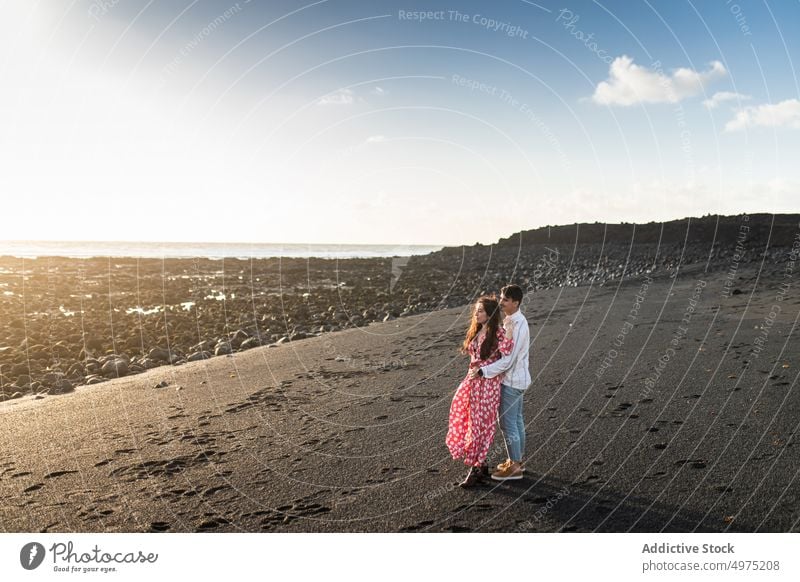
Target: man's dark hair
[[513, 292]]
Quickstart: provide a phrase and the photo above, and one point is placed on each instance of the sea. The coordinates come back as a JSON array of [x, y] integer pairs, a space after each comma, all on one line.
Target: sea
[[87, 249]]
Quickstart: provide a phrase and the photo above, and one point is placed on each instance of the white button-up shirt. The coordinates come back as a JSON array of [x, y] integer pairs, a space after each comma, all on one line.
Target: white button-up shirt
[[515, 365]]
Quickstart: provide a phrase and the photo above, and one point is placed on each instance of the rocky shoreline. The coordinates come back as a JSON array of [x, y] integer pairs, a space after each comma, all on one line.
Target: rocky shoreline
[[71, 322]]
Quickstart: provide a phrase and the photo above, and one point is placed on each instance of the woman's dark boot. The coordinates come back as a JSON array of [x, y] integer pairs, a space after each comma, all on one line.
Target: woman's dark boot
[[473, 478]]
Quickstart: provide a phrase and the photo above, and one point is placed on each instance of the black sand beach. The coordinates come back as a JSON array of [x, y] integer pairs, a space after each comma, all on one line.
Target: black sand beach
[[664, 396]]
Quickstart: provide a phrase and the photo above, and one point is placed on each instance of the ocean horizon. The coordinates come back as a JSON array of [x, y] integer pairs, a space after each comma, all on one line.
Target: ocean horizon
[[179, 250]]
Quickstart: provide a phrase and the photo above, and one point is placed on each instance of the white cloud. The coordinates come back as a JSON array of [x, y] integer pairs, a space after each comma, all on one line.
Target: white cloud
[[338, 97], [783, 114], [379, 91], [376, 139], [629, 83], [723, 96]]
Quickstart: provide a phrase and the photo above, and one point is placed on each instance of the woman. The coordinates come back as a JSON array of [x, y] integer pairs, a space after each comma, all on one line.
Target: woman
[[473, 412]]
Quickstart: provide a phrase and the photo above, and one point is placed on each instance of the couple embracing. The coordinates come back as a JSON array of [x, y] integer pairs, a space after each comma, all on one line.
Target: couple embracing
[[496, 382]]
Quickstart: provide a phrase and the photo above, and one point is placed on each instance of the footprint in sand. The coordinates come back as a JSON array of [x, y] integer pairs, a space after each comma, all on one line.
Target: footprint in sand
[[212, 490], [695, 464], [55, 474], [417, 526], [212, 524]]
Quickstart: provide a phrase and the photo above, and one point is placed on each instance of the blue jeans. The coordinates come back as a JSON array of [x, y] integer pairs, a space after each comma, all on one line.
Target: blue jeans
[[511, 421]]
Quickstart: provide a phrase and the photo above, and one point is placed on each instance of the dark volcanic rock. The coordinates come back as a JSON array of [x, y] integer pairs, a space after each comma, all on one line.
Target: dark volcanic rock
[[155, 312], [250, 343], [237, 338], [61, 386], [115, 368], [51, 378], [222, 349], [163, 356]]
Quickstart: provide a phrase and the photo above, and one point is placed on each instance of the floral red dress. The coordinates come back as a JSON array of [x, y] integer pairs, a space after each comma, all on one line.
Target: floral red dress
[[473, 413]]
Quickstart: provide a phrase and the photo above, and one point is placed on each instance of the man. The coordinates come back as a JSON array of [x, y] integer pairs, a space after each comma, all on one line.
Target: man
[[516, 381]]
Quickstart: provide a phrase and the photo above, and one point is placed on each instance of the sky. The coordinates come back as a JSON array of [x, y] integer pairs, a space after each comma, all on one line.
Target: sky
[[390, 122]]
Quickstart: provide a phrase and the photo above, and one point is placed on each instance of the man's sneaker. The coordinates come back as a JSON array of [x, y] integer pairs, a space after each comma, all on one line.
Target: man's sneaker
[[504, 465], [512, 472]]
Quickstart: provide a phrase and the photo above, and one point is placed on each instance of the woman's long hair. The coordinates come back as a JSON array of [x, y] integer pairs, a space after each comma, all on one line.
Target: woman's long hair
[[489, 345]]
